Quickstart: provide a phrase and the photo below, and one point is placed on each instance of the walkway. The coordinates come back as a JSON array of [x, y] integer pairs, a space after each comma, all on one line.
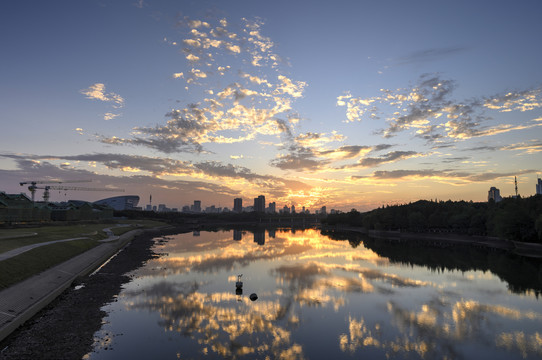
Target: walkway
[[20, 302], [22, 249]]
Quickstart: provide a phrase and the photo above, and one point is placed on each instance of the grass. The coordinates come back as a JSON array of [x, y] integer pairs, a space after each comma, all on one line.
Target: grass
[[18, 268], [14, 238]]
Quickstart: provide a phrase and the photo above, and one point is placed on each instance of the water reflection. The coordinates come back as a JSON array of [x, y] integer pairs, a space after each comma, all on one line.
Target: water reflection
[[317, 298]]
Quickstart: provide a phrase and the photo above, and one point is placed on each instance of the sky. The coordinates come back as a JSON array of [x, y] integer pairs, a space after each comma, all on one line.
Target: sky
[[345, 104]]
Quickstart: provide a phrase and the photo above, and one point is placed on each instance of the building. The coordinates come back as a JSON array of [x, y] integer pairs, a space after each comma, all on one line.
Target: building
[[237, 205], [124, 202], [293, 209], [196, 207], [323, 210], [18, 207], [259, 237], [494, 194], [539, 187], [259, 204], [272, 207]]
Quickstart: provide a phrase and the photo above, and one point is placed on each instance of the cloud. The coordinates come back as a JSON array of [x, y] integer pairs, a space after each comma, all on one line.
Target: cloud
[[97, 92], [515, 101], [390, 157], [110, 116], [299, 158], [429, 55], [442, 175], [247, 106], [430, 113], [346, 152], [527, 147], [158, 167]]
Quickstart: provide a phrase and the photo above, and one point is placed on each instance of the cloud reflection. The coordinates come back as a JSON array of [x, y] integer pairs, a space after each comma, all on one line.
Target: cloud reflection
[[311, 273]]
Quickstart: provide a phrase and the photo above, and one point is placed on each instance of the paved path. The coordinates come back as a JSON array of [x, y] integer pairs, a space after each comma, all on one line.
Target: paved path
[[22, 249], [20, 302]]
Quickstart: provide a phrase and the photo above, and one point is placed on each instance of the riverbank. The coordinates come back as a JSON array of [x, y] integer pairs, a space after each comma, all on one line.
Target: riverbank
[[55, 317], [444, 240]]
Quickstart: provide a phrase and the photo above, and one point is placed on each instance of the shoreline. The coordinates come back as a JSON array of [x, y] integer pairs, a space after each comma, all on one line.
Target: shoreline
[[442, 240], [60, 323]]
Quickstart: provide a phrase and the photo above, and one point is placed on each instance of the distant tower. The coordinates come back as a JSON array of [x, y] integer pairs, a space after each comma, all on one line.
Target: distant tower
[[238, 205], [259, 204], [494, 194], [197, 206], [539, 187], [516, 185]]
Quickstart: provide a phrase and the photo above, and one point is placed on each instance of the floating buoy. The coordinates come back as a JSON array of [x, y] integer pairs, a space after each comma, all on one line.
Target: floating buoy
[[253, 297], [239, 283]]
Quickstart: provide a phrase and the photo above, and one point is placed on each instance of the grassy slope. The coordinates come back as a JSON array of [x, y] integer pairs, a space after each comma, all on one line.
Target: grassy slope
[[37, 260], [20, 267]]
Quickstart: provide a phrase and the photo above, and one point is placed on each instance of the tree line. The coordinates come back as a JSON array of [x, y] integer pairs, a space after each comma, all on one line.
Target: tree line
[[518, 219]]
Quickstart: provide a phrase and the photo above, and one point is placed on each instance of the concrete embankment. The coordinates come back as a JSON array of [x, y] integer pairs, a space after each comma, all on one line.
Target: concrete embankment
[[23, 300], [447, 240]]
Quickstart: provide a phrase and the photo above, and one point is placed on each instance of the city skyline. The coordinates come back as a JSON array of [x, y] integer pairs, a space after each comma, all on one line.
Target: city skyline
[[340, 104]]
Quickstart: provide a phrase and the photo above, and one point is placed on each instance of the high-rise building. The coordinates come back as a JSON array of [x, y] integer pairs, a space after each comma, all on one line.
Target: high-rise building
[[272, 207], [259, 237], [539, 187], [197, 206], [494, 194], [293, 209], [259, 204], [323, 210], [237, 205]]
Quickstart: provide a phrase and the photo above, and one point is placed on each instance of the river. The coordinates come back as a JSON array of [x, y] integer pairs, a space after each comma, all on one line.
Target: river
[[322, 298]]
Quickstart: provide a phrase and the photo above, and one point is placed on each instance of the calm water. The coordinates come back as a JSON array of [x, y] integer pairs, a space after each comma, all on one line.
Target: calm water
[[320, 298]]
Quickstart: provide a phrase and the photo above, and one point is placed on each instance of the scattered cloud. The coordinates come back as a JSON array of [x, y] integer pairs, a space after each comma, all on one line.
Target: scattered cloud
[[429, 111], [110, 116], [97, 92], [429, 55], [446, 175], [248, 106]]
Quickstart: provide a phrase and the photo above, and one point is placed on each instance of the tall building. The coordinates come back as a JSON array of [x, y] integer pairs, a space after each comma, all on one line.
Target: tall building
[[293, 209], [237, 205], [259, 204], [539, 187], [494, 194], [272, 207], [323, 210], [197, 206]]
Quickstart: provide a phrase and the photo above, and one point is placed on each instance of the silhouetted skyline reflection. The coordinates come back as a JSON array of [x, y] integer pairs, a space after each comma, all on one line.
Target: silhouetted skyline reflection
[[317, 298]]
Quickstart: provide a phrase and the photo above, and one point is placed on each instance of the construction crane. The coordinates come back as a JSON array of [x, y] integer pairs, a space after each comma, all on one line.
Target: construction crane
[[46, 194], [32, 188]]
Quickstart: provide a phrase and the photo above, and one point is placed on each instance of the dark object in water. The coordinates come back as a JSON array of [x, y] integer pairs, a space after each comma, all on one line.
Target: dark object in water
[[239, 283], [253, 297]]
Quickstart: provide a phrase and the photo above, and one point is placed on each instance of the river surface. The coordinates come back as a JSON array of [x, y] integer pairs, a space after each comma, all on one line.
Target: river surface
[[320, 298]]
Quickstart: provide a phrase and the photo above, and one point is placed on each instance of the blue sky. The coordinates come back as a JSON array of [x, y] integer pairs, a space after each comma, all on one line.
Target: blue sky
[[349, 104]]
